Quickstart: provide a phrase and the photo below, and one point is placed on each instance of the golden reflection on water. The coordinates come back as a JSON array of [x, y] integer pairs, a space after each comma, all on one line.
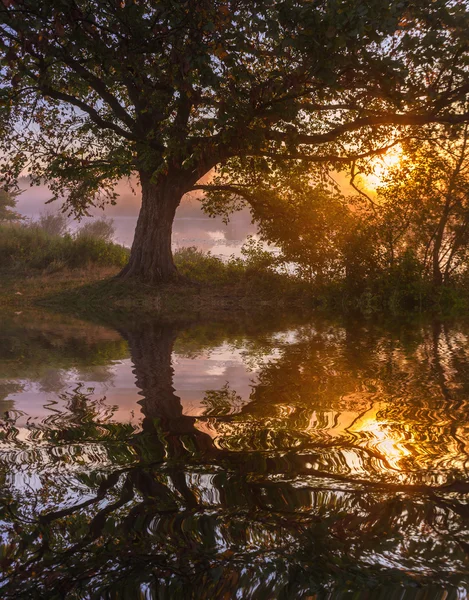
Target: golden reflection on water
[[314, 452], [379, 435]]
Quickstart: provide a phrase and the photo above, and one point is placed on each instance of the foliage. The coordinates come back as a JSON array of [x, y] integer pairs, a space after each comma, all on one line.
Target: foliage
[[263, 91], [53, 224], [31, 247], [424, 205], [201, 267], [7, 204], [395, 250], [254, 274], [308, 224]]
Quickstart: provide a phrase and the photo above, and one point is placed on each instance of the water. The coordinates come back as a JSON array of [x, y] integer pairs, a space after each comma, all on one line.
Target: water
[[281, 459], [192, 227]]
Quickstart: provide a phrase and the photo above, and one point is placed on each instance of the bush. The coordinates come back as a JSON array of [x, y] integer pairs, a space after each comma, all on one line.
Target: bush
[[54, 224], [101, 229], [256, 275], [32, 247], [206, 268]]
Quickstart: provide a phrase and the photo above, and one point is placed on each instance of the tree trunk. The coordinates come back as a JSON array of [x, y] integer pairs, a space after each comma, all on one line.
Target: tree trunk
[[151, 257], [151, 347], [436, 269], [437, 275]]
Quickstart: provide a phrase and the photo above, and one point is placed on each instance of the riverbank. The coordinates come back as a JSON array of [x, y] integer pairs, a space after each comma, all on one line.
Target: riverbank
[[96, 290], [77, 274], [209, 287]]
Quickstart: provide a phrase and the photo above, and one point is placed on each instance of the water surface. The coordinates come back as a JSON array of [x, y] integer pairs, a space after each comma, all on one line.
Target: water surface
[[192, 227], [311, 459]]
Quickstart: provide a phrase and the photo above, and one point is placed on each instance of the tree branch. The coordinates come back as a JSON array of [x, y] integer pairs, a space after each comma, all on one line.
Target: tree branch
[[90, 111], [236, 190], [332, 158], [100, 88], [371, 121]]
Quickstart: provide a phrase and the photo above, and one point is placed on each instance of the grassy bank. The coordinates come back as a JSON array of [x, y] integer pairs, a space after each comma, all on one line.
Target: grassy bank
[[93, 290], [31, 249], [77, 274], [96, 291]]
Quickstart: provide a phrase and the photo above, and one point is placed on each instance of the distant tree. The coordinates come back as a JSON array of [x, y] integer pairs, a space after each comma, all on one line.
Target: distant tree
[[102, 229], [53, 223], [7, 205], [263, 91]]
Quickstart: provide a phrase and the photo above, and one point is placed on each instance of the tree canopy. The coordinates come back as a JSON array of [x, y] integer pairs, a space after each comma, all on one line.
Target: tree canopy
[[263, 91], [425, 205]]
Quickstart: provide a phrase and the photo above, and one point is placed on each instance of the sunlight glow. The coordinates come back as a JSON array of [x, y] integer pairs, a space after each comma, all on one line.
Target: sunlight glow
[[380, 434], [381, 166]]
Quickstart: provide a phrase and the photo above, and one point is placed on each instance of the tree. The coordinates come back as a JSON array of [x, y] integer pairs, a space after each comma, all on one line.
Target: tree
[[7, 204], [100, 229], [318, 221], [425, 204], [92, 91], [55, 224]]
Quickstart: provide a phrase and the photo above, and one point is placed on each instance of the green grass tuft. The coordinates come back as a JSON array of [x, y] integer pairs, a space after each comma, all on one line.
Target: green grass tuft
[[30, 247]]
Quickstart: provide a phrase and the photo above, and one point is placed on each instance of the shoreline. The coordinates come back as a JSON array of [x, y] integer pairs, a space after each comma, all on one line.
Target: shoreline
[[96, 293], [82, 292]]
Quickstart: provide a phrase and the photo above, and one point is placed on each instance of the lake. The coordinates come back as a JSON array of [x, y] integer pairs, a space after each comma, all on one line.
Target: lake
[[192, 227], [250, 458]]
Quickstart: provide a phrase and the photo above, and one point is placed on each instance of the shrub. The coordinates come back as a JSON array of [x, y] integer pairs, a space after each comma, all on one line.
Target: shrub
[[32, 247], [206, 268], [54, 224], [257, 257], [256, 275], [101, 229], [86, 250]]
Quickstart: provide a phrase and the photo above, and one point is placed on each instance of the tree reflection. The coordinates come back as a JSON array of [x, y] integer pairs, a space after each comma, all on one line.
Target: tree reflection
[[345, 469]]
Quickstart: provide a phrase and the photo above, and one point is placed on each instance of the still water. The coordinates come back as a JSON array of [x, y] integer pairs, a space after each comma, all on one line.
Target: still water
[[192, 227], [312, 459]]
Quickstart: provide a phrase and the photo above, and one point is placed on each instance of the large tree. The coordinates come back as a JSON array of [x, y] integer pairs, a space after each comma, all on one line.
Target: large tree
[[262, 91]]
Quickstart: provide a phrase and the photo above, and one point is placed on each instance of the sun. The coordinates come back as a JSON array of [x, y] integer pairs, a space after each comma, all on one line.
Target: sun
[[381, 165]]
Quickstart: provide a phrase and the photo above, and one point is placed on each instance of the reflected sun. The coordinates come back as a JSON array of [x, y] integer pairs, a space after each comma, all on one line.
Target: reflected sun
[[380, 435]]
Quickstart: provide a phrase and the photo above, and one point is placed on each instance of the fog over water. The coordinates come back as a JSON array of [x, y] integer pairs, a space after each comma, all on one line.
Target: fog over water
[[192, 226]]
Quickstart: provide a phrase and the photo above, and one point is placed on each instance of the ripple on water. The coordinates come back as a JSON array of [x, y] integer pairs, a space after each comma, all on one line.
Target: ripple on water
[[309, 460]]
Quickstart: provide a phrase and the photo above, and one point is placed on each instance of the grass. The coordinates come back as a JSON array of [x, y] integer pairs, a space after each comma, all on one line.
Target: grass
[[250, 276], [77, 274], [31, 248], [35, 264], [24, 289]]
